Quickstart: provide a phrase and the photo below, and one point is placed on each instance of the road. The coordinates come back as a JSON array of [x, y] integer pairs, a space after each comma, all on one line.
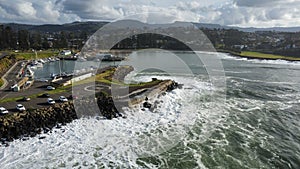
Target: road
[[36, 88]]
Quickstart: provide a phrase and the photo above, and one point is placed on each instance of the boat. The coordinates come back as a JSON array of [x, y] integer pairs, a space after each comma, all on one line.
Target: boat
[[107, 57], [39, 65], [41, 61], [33, 67], [51, 59], [29, 71]]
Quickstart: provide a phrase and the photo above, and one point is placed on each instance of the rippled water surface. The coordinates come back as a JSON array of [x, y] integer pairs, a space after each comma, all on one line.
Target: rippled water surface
[[257, 126]]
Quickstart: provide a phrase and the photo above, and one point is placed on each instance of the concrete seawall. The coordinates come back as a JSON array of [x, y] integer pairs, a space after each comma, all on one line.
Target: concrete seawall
[[153, 92]]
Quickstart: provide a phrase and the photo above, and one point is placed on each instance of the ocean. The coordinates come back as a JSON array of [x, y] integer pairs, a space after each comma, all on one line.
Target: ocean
[[251, 123]]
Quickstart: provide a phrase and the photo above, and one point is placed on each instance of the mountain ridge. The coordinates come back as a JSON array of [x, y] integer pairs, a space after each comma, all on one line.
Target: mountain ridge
[[93, 26]]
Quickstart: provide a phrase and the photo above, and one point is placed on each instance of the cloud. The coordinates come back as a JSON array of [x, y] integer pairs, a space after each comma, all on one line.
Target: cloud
[[246, 13], [32, 11], [265, 3], [116, 9], [20, 8], [261, 13]]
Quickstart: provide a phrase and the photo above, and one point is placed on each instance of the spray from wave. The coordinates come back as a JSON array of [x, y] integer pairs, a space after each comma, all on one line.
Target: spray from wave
[[120, 142]]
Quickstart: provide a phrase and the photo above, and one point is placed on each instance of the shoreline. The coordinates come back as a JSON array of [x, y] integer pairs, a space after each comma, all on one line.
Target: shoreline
[[261, 57], [29, 123], [247, 54]]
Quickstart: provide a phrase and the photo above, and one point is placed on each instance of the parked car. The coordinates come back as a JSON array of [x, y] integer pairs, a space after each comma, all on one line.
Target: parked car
[[26, 99], [45, 95], [20, 107], [3, 111], [63, 99], [50, 101], [50, 88]]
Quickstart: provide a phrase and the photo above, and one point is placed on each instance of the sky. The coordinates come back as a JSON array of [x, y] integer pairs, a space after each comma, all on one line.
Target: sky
[[243, 13]]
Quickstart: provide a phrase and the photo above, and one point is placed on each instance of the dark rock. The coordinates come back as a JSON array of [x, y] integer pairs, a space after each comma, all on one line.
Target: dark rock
[[147, 105], [29, 124], [42, 137], [173, 86]]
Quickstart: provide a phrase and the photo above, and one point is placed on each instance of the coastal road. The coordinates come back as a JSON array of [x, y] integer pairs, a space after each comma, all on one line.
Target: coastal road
[[40, 88], [34, 103]]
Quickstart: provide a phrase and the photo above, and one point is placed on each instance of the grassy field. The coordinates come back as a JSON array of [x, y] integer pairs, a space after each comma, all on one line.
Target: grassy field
[[31, 55], [259, 55]]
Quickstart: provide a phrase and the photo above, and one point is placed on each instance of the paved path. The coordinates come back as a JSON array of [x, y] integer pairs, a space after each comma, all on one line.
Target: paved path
[[4, 77]]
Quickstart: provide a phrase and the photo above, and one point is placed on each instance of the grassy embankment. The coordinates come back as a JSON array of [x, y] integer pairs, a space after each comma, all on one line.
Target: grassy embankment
[[5, 64], [259, 55], [1, 82], [27, 55]]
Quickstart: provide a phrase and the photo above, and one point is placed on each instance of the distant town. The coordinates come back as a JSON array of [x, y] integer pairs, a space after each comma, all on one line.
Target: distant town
[[73, 36]]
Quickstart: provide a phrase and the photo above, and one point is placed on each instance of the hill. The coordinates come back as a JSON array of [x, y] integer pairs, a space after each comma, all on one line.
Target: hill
[[93, 26]]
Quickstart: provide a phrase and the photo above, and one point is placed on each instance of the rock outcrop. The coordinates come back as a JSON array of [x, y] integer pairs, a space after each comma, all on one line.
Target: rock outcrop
[[32, 122]]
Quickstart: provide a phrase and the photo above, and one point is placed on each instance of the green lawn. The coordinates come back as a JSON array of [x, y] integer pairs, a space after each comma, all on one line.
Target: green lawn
[[266, 56], [31, 55]]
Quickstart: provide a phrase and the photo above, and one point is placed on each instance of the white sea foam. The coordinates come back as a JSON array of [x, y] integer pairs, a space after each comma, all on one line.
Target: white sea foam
[[259, 61], [260, 81], [118, 142]]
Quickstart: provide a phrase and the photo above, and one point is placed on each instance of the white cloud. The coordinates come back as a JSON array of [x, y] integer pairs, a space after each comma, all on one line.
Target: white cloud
[[25, 9], [261, 13]]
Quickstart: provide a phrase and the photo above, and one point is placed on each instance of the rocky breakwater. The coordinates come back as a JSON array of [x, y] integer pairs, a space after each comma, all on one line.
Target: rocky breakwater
[[102, 104], [153, 92], [29, 123]]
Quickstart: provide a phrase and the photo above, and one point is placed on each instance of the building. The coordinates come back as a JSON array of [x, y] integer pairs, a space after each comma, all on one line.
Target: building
[[66, 52]]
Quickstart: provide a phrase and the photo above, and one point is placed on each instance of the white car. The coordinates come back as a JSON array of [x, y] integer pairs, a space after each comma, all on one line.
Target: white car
[[50, 88], [3, 110], [50, 101], [63, 99], [20, 107]]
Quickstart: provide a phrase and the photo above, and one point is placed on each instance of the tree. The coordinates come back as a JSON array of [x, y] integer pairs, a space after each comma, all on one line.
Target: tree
[[63, 43], [36, 41], [45, 44], [7, 37], [23, 39], [1, 37]]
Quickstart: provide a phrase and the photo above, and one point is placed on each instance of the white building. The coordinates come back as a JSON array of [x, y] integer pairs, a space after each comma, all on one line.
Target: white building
[[66, 52]]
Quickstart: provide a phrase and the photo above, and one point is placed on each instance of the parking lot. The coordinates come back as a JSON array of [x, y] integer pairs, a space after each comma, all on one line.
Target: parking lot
[[36, 89]]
